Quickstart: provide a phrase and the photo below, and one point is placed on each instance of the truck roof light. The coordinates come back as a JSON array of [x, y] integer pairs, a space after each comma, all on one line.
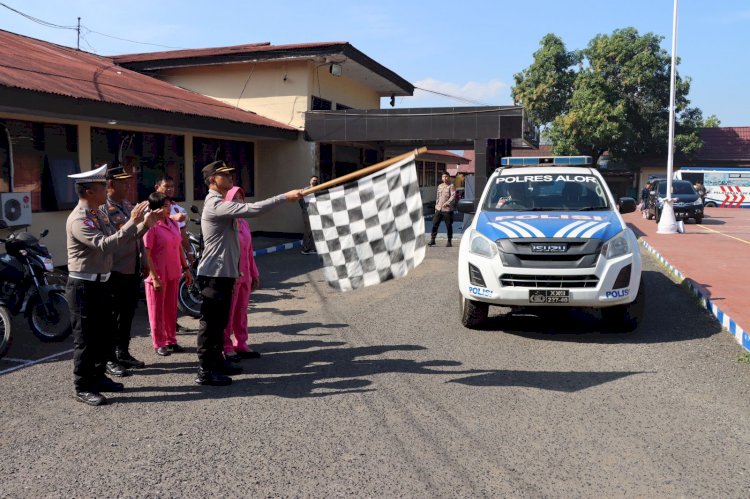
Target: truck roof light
[[546, 161]]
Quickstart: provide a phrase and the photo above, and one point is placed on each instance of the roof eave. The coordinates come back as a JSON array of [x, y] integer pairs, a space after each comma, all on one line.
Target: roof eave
[[401, 87], [47, 105]]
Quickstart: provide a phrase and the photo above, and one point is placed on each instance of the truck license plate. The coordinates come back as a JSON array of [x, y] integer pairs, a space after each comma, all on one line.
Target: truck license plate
[[549, 296]]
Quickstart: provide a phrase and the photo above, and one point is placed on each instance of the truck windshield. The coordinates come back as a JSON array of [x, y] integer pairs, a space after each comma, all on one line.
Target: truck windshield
[[546, 192]]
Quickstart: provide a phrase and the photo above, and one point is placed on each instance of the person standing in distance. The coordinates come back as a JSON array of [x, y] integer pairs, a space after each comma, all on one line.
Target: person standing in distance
[[126, 268], [91, 242], [444, 204], [308, 244], [219, 267]]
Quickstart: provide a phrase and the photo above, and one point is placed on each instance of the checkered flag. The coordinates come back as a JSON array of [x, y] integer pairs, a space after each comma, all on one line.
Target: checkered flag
[[369, 230]]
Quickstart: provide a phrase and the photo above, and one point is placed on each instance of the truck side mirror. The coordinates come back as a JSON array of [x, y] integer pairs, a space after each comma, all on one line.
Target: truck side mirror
[[467, 206], [627, 205]]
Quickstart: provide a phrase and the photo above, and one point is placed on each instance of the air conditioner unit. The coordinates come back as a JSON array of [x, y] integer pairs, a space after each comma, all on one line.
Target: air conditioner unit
[[15, 208]]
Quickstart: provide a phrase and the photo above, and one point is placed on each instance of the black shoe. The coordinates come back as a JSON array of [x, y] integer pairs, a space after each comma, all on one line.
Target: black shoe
[[126, 360], [431, 243], [91, 398], [212, 378], [449, 245], [229, 369], [107, 385], [233, 358], [163, 351], [175, 348], [250, 354], [115, 369]]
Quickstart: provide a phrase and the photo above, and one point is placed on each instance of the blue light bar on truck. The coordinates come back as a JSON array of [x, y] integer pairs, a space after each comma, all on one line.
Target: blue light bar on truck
[[546, 161]]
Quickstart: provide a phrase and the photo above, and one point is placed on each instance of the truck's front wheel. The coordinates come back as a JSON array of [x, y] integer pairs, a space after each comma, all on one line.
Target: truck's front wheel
[[626, 318], [473, 313]]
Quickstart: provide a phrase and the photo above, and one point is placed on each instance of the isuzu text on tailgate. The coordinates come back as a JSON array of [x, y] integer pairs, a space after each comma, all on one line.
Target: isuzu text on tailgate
[[548, 233]]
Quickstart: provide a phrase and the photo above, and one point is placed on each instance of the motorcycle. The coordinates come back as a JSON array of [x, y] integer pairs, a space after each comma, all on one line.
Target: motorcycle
[[25, 288], [189, 298]]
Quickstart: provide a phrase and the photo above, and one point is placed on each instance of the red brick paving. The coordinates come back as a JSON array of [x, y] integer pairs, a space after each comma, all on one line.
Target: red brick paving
[[714, 254]]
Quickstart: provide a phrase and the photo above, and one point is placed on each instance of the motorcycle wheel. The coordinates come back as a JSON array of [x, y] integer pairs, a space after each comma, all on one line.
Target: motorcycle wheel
[[189, 299], [50, 327], [6, 331]]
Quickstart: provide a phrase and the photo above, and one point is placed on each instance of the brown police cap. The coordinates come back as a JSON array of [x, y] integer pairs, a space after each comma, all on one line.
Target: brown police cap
[[214, 168], [118, 173]]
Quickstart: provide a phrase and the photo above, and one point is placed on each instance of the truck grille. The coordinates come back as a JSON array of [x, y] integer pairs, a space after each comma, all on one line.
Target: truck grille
[[549, 281]]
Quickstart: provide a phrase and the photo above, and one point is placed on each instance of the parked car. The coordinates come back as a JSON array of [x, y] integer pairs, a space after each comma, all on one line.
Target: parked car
[[688, 203]]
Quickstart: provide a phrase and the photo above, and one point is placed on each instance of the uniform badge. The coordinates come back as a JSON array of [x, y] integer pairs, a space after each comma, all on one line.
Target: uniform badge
[[89, 223]]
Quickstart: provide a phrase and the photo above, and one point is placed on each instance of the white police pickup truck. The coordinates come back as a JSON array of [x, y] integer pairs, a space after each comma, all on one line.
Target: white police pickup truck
[[548, 233]]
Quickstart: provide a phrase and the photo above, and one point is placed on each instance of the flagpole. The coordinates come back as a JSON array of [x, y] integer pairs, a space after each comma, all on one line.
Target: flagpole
[[668, 222], [364, 171]]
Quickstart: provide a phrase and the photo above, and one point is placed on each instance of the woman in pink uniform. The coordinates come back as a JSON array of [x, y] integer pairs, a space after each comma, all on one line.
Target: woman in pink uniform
[[166, 262], [248, 280]]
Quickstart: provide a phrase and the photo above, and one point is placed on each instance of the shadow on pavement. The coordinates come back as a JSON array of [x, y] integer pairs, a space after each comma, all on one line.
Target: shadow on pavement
[[663, 322], [559, 381]]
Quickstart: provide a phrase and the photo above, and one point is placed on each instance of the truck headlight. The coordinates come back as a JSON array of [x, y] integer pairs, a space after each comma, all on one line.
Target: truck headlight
[[480, 245], [617, 246]]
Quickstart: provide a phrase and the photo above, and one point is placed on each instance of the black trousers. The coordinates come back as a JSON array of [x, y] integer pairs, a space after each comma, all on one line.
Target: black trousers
[[124, 302], [90, 305], [307, 240], [447, 216], [217, 301]]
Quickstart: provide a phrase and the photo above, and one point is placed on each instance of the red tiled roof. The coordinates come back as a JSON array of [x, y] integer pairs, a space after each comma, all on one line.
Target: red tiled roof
[[216, 51], [725, 144], [40, 66], [447, 156]]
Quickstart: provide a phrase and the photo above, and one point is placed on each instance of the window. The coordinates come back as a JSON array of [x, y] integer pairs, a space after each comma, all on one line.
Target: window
[[337, 160], [319, 104], [146, 156], [342, 107], [237, 154], [44, 154]]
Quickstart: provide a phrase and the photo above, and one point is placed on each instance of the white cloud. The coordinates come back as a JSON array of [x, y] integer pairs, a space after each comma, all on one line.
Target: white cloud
[[492, 92]]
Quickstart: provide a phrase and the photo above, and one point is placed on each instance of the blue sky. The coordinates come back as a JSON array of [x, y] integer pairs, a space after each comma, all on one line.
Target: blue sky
[[468, 48]]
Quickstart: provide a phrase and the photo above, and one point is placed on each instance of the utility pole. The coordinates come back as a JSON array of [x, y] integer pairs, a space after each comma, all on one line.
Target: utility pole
[[78, 30]]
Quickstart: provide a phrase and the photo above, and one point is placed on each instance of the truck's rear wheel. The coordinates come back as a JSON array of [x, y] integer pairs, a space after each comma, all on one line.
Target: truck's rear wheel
[[473, 313]]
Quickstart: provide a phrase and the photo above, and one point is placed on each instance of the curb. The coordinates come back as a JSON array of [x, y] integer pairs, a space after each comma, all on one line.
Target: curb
[[280, 247], [740, 335]]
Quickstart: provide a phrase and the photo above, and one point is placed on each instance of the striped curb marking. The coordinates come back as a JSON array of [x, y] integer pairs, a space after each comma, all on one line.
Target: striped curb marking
[[280, 247], [742, 336]]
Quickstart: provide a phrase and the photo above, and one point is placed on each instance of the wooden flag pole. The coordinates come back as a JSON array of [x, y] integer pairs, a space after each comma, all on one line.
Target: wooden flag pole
[[363, 172]]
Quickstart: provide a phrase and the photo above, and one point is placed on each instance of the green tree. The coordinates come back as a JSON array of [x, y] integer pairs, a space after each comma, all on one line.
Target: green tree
[[611, 96]]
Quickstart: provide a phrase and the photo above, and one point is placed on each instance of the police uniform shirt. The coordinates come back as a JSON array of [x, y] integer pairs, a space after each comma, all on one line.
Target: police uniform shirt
[[221, 250], [446, 197], [91, 240], [126, 255]]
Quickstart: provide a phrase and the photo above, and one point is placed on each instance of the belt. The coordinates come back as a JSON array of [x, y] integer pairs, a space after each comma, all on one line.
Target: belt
[[89, 277]]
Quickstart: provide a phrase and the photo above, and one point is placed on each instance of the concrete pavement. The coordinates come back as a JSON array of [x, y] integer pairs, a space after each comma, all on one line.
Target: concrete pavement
[[710, 259]]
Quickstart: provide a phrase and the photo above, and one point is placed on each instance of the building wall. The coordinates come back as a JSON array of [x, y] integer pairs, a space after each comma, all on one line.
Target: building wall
[[277, 90]]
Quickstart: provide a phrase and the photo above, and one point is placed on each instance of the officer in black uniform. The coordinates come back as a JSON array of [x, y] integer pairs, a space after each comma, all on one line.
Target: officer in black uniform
[[125, 277], [91, 242]]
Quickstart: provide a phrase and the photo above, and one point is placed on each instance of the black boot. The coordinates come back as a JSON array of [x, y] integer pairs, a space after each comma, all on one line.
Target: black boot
[[432, 242], [449, 245]]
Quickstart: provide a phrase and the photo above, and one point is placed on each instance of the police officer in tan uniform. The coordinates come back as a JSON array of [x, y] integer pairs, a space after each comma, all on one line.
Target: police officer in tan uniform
[[125, 277], [91, 242]]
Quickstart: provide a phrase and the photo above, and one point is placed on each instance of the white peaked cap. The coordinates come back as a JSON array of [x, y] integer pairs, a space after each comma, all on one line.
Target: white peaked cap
[[98, 175]]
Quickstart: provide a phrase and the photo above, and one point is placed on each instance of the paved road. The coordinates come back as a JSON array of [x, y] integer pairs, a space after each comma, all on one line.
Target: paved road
[[381, 392]]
